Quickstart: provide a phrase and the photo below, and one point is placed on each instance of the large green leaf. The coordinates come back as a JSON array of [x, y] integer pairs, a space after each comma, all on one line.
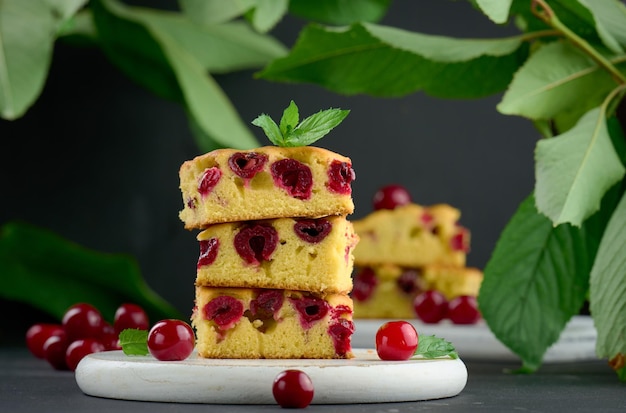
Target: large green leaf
[[575, 169], [340, 12], [174, 47], [610, 20], [218, 48], [385, 61], [496, 10], [28, 30], [50, 273], [607, 294], [557, 78], [215, 11], [267, 13], [536, 280]]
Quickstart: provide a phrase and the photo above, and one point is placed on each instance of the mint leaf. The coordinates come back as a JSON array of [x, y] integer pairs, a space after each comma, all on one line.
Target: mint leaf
[[290, 119], [134, 342], [317, 126], [538, 278], [270, 128], [607, 290], [575, 169], [291, 133], [431, 347]]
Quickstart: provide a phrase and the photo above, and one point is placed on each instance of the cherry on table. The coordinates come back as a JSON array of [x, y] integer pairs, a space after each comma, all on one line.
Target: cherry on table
[[78, 349], [54, 351], [396, 340], [82, 320], [171, 340], [293, 389], [37, 335]]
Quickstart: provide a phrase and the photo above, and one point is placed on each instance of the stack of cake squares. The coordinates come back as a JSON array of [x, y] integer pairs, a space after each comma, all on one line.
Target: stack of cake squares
[[276, 252], [407, 250]]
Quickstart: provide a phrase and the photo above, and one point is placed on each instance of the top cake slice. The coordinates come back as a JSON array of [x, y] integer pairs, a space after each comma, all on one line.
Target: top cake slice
[[229, 185], [411, 236]]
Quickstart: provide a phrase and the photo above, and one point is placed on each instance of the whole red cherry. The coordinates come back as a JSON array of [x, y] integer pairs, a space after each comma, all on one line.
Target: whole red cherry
[[37, 335], [390, 197]]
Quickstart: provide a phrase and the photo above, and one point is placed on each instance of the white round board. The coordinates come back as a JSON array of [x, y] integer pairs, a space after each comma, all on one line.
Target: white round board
[[363, 379], [476, 342]]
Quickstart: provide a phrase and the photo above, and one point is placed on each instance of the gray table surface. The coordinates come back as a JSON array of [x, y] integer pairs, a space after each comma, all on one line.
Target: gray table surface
[[30, 385]]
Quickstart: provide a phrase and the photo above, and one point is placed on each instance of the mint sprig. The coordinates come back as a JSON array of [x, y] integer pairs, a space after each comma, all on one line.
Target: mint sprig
[[292, 132], [134, 342], [431, 347]]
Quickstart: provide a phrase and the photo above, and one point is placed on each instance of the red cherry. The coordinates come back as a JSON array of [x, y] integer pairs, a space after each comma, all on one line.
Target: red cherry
[[293, 389], [54, 351], [464, 310], [209, 179], [430, 306], [82, 321], [390, 197], [130, 315], [171, 340], [365, 282], [109, 337], [37, 335], [396, 340], [79, 349]]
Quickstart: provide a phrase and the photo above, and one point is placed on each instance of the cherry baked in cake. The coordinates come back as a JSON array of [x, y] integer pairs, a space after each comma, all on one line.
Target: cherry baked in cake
[[271, 323], [285, 253], [229, 185]]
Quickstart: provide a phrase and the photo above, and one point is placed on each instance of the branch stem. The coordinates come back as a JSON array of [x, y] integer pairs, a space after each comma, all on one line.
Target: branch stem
[[543, 11]]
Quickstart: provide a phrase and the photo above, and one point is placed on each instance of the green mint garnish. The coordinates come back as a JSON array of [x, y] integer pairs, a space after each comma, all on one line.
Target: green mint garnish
[[431, 347], [134, 342], [292, 132]]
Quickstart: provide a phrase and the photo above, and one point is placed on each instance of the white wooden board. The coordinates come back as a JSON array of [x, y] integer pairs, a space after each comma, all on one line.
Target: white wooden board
[[363, 379], [477, 342]]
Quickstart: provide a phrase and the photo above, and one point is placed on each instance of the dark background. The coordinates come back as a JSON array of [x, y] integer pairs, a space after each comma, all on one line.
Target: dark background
[[96, 158]]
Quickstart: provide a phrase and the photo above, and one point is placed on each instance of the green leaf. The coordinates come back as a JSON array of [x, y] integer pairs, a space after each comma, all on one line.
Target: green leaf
[[340, 12], [50, 273], [268, 13], [536, 280], [28, 30], [134, 342], [170, 47], [430, 347], [218, 48], [610, 20], [557, 78], [311, 129], [270, 128], [317, 126], [386, 61], [290, 118], [496, 10], [607, 292], [214, 11], [575, 169]]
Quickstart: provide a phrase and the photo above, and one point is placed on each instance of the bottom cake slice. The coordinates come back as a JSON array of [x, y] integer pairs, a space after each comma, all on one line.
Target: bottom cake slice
[[248, 323]]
